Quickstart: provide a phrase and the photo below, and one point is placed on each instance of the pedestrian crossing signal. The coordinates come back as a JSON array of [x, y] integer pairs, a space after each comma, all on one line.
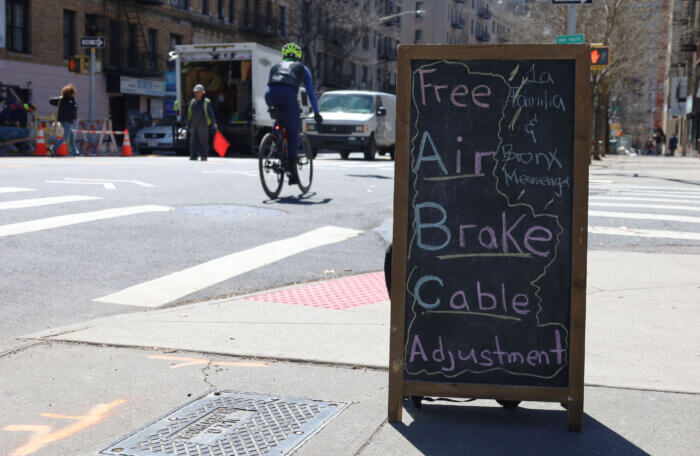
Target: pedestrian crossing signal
[[600, 57], [77, 65]]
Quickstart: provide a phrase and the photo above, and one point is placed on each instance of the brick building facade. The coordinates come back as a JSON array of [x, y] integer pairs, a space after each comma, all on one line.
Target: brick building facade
[[40, 35]]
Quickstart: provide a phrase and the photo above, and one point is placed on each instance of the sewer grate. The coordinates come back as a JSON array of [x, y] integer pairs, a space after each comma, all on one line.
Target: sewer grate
[[230, 424]]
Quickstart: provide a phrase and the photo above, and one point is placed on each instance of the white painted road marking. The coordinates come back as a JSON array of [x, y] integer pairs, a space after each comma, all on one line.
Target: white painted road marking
[[636, 198], [637, 232], [74, 219], [106, 185], [645, 206], [171, 287], [645, 216], [35, 202], [242, 173], [15, 189], [691, 196], [130, 181]]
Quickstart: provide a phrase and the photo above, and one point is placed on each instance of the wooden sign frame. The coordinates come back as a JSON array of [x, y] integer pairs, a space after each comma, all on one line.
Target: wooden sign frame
[[570, 397]]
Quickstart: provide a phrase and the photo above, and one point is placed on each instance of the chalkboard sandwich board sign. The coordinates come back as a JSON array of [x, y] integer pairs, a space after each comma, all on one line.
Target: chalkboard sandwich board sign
[[490, 224]]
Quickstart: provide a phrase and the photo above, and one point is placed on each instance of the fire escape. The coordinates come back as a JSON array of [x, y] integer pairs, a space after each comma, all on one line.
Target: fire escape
[[130, 49]]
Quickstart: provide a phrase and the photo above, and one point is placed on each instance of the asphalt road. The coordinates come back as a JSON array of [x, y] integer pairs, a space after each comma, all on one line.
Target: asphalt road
[[146, 221]]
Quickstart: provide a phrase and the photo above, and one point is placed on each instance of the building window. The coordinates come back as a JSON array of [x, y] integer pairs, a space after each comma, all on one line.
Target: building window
[[153, 49], [419, 6], [472, 26], [115, 44], [364, 75], [231, 12], [205, 7], [182, 4], [282, 21], [220, 10], [132, 47], [418, 37], [365, 42], [17, 17], [68, 34], [175, 40], [92, 24]]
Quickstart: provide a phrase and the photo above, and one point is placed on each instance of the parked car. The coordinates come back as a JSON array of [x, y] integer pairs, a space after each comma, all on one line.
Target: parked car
[[354, 121], [165, 135]]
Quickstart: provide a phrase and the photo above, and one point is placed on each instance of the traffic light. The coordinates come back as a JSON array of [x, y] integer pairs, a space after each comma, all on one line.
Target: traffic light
[[600, 57], [78, 64]]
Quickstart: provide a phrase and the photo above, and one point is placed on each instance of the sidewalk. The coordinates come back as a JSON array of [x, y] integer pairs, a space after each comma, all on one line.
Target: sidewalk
[[328, 341]]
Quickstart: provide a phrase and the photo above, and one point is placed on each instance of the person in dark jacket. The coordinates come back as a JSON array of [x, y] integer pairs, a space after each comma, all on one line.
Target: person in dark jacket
[[200, 122], [67, 115], [672, 144], [282, 87]]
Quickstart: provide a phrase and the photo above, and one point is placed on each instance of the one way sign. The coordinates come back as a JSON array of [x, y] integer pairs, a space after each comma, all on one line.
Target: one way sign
[[92, 42]]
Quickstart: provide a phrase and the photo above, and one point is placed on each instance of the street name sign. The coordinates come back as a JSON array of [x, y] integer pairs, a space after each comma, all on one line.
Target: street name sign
[[488, 289], [92, 42], [570, 39]]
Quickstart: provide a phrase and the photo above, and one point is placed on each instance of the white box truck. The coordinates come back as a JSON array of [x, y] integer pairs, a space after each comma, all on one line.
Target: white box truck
[[235, 78]]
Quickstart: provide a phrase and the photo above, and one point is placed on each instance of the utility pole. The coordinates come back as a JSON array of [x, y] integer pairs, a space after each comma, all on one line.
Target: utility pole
[[571, 20], [91, 113]]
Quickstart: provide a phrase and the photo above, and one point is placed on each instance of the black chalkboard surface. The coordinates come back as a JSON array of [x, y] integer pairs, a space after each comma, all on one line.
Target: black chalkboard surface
[[486, 215]]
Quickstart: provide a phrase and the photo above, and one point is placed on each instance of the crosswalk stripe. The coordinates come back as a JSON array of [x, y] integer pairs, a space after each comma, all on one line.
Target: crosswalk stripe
[[636, 232], [636, 198], [645, 206], [171, 287], [74, 219], [35, 202], [644, 216], [644, 188], [15, 189], [657, 194]]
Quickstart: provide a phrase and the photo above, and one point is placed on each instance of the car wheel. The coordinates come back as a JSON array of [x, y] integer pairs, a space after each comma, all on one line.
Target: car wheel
[[371, 149], [344, 155], [391, 152]]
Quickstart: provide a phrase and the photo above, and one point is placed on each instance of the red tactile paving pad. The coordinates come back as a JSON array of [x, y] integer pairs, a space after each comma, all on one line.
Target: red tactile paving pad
[[339, 294]]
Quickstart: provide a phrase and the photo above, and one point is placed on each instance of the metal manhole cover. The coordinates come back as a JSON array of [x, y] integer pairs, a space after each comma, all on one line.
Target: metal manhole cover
[[230, 424], [228, 211]]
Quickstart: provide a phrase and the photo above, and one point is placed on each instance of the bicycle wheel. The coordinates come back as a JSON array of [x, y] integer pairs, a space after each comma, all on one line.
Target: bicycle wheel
[[270, 166], [305, 163]]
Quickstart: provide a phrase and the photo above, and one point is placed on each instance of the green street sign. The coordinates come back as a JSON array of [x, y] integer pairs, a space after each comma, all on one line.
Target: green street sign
[[569, 39]]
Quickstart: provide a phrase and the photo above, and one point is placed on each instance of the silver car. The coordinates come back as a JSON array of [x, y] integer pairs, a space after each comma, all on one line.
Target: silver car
[[165, 135]]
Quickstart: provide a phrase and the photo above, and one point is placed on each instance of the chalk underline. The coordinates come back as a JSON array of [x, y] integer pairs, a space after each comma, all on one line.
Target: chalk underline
[[459, 176], [484, 255], [466, 312]]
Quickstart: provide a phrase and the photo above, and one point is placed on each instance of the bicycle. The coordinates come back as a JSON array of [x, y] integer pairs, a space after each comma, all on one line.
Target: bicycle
[[272, 160]]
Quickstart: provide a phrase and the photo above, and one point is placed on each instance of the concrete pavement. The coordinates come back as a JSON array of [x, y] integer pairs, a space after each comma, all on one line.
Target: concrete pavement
[[641, 396]]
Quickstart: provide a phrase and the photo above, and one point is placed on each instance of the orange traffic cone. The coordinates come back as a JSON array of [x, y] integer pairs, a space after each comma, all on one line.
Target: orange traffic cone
[[40, 148], [126, 147], [62, 150]]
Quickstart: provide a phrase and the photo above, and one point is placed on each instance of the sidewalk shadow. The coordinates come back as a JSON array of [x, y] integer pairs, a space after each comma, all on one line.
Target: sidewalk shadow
[[447, 430], [374, 176], [302, 200]]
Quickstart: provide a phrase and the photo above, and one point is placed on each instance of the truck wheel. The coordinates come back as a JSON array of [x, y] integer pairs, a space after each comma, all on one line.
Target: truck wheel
[[371, 149], [314, 152], [344, 155]]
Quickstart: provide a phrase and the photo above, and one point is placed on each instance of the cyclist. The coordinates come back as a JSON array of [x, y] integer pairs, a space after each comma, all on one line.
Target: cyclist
[[282, 88]]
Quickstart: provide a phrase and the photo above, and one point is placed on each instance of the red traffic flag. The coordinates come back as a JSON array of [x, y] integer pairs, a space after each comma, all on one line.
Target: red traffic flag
[[221, 145]]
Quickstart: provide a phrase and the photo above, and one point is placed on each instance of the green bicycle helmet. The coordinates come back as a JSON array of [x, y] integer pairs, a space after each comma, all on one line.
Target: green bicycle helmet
[[291, 50]]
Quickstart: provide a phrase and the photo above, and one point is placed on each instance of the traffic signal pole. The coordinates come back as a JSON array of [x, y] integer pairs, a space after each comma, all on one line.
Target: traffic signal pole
[[571, 20], [91, 113]]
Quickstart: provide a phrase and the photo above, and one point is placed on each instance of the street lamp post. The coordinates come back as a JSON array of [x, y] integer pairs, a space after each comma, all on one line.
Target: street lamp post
[[392, 16]]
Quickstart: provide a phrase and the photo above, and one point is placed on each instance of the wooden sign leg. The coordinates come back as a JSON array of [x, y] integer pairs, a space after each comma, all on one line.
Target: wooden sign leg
[[574, 410], [395, 393]]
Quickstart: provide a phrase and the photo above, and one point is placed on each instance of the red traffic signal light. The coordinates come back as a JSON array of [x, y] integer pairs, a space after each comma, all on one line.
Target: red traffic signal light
[[74, 65], [600, 56]]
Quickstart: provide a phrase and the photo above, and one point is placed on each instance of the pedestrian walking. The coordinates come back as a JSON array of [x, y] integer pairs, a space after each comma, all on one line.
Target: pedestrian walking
[[672, 144], [660, 139], [67, 115], [200, 123]]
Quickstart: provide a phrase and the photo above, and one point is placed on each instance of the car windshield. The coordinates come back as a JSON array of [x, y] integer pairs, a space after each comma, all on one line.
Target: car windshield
[[167, 121], [346, 103]]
